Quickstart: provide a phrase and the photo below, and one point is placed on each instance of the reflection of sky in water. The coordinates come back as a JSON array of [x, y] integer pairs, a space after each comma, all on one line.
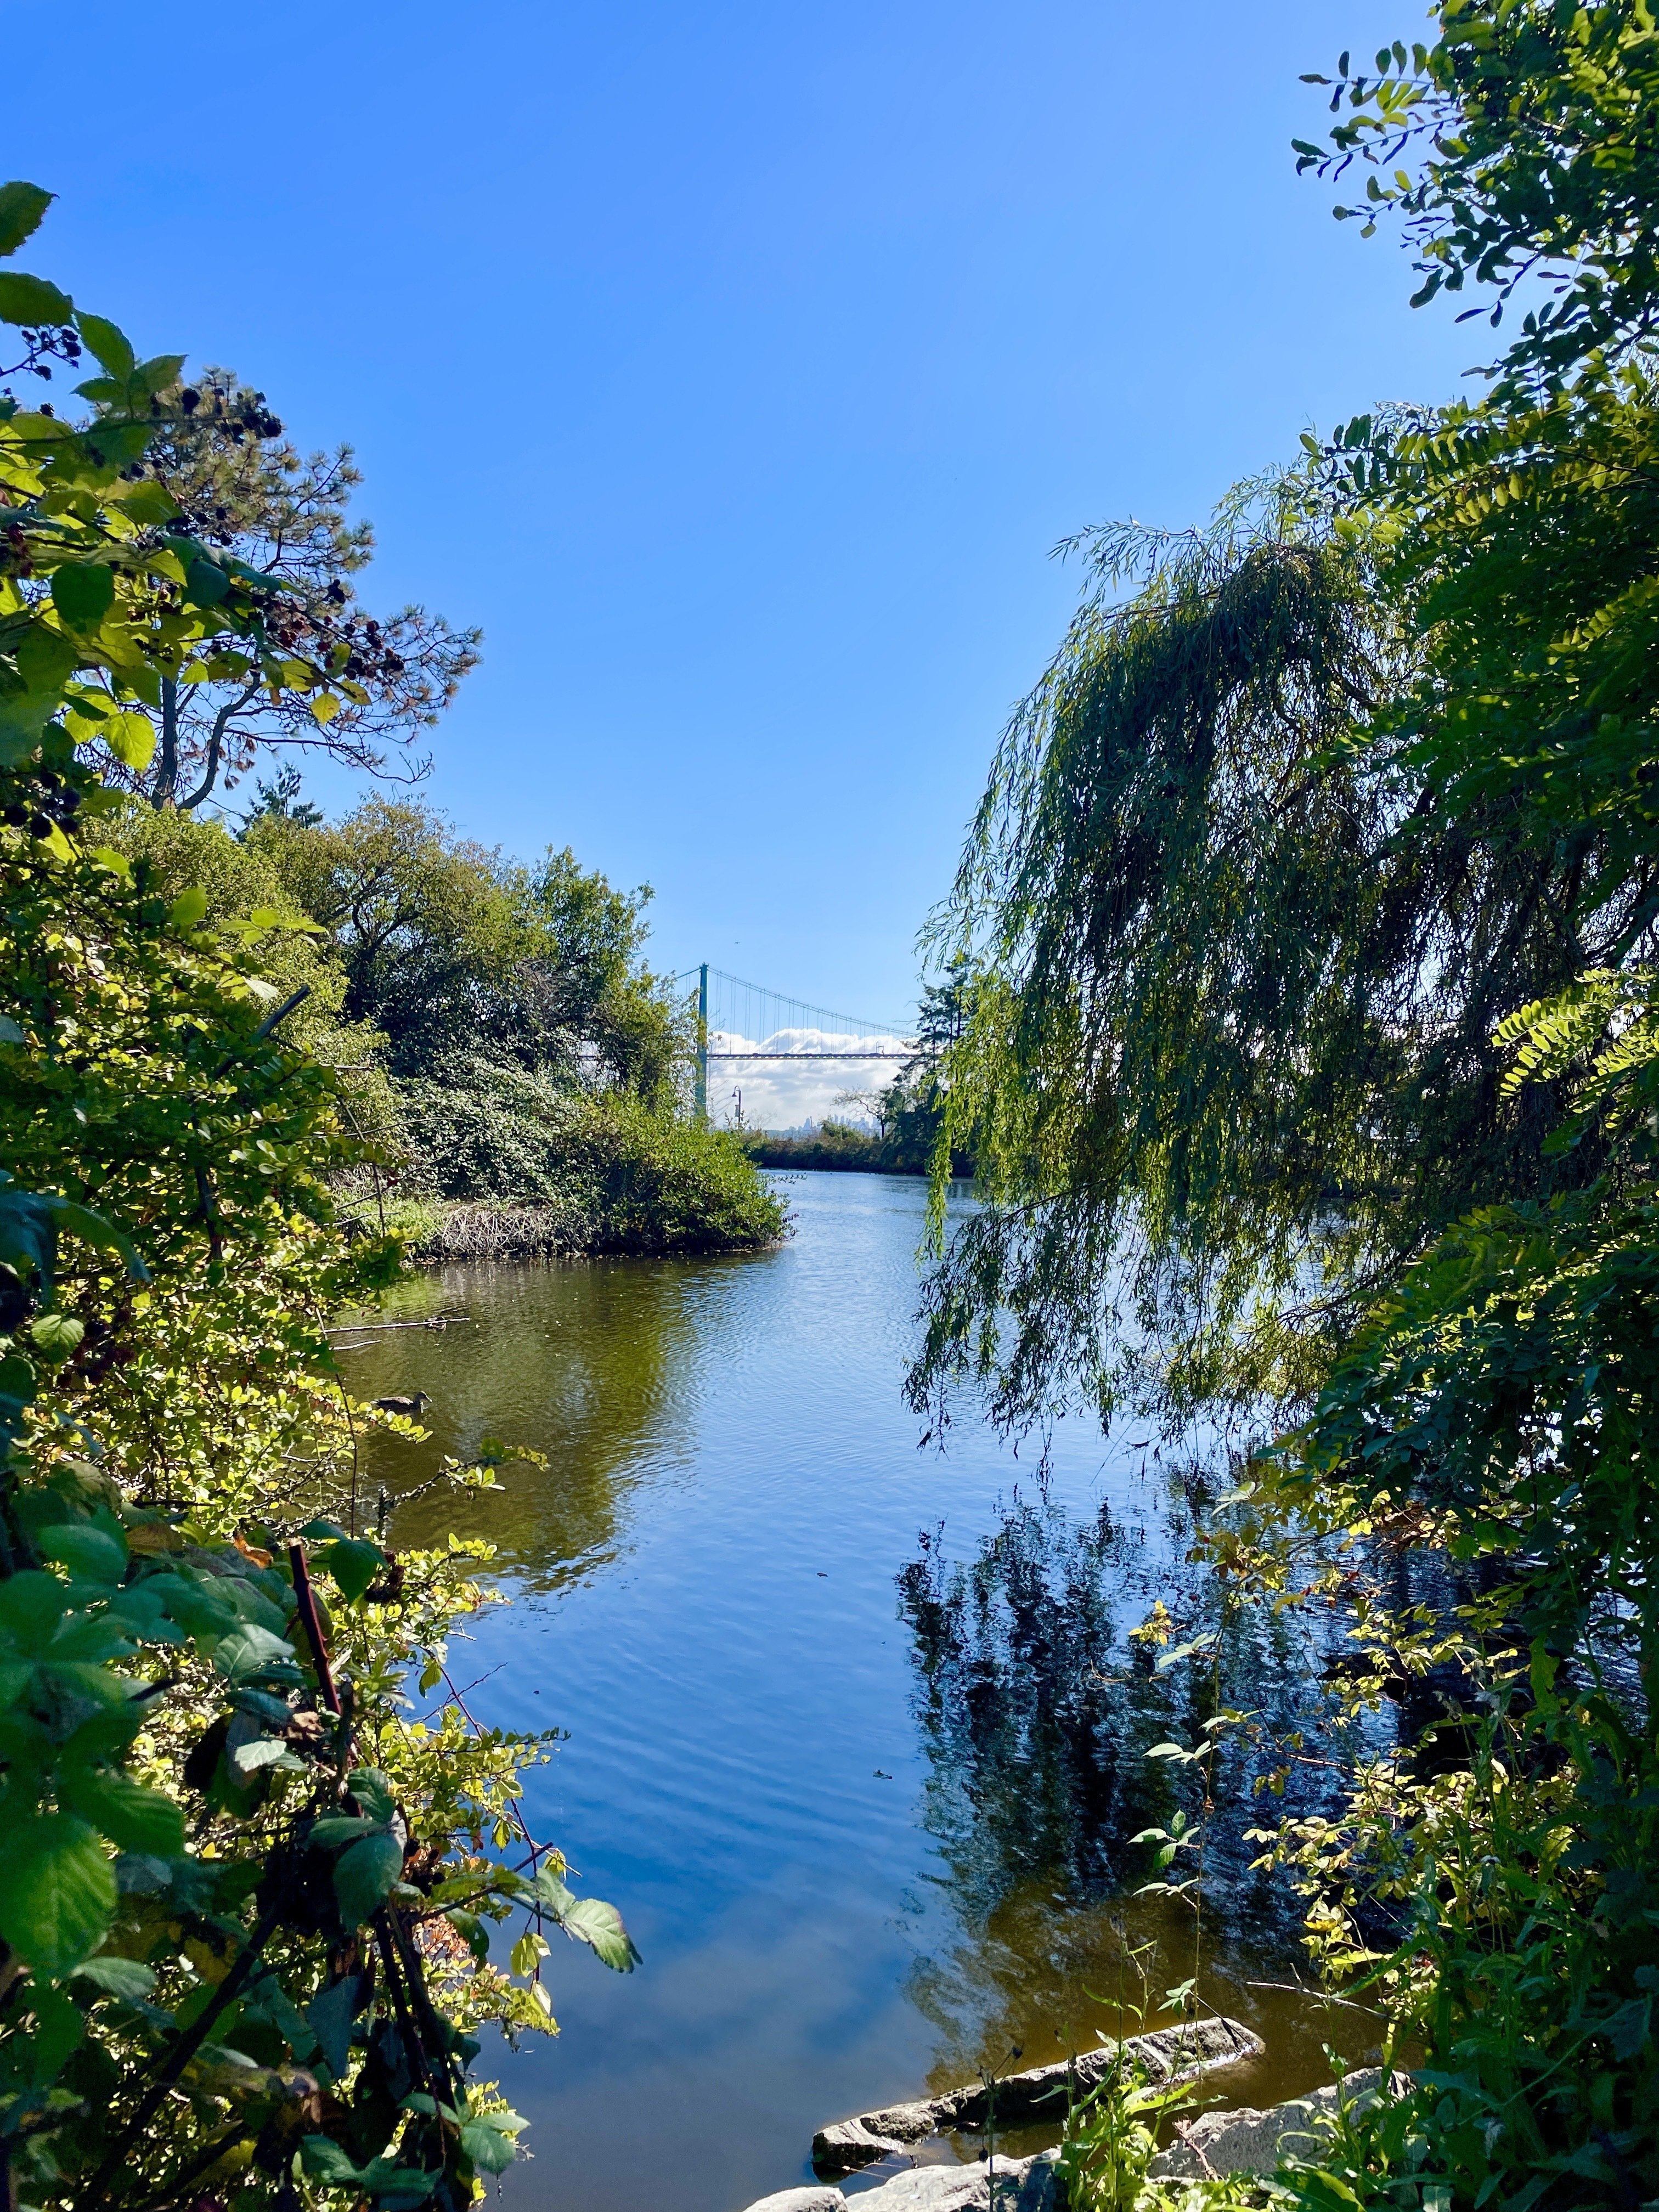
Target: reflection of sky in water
[[829, 1864]]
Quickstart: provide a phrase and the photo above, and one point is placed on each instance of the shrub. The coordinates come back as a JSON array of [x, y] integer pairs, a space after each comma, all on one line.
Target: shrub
[[625, 1175]]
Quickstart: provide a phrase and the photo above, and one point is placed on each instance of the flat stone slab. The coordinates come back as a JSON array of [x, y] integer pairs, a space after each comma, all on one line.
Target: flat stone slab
[[820, 2199], [1022, 2184], [1027, 2100], [1251, 2142], [846, 2145]]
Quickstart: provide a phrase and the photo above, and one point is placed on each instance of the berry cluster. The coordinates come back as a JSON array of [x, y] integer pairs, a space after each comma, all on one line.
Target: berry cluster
[[40, 800]]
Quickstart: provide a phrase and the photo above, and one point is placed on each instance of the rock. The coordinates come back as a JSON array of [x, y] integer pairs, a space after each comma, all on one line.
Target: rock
[[905, 2123], [1251, 2142], [1168, 2054], [820, 2199], [1023, 2184], [1027, 2100], [849, 2144]]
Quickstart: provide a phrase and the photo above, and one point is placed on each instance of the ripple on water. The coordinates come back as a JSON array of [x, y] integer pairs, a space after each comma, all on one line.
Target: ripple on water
[[816, 1823]]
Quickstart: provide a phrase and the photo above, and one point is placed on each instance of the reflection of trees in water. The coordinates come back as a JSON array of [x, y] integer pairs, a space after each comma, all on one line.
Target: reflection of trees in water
[[591, 1363], [1036, 1715]]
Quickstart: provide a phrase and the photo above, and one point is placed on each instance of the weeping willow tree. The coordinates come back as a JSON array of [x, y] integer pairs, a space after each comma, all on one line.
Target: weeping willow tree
[[1230, 1059]]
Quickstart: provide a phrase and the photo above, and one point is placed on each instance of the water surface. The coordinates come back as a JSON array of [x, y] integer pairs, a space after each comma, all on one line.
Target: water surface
[[847, 1768]]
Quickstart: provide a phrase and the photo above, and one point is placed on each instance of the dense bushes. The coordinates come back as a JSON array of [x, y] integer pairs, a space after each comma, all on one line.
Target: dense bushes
[[606, 1171], [498, 1037]]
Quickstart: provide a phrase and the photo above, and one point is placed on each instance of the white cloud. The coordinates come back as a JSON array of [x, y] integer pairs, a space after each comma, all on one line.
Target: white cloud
[[778, 1097]]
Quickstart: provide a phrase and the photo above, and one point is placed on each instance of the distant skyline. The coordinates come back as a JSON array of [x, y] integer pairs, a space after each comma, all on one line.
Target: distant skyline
[[736, 369]]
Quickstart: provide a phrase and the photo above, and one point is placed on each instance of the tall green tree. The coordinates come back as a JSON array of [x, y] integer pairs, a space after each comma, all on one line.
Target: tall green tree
[[448, 946], [1388, 1162], [240, 485], [1229, 1056]]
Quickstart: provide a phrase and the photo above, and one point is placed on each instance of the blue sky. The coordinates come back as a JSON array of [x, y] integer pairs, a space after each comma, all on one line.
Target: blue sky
[[737, 367]]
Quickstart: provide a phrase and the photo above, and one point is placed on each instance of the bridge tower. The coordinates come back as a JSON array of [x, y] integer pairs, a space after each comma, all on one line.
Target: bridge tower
[[700, 1096]]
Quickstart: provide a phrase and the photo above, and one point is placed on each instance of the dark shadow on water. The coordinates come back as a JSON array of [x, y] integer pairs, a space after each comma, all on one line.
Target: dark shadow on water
[[1037, 1712]]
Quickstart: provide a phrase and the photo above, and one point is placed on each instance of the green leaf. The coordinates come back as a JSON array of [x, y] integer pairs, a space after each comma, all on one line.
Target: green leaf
[[150, 503], [31, 303], [59, 2028], [83, 592], [600, 1927], [364, 1876], [56, 1891], [32, 1604], [250, 1650], [382, 2180], [1627, 2030], [330, 2015], [131, 738], [373, 1791], [22, 207], [206, 583], [323, 2159], [528, 1953], [187, 909], [354, 1564], [247, 1758], [55, 1336], [335, 1828], [108, 345], [259, 1706], [161, 371], [116, 1977], [487, 2139], [199, 1607], [85, 1550], [133, 1818]]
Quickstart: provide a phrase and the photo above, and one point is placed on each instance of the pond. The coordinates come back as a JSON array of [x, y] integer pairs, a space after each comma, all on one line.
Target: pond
[[851, 1740]]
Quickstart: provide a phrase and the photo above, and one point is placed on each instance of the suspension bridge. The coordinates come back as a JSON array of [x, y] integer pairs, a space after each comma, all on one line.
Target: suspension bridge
[[739, 1021]]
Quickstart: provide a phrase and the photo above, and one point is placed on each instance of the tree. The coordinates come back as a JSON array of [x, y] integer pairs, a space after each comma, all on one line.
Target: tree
[[448, 946], [239, 485], [1315, 1055], [280, 795], [1228, 1055], [910, 1111], [1533, 127], [426, 927]]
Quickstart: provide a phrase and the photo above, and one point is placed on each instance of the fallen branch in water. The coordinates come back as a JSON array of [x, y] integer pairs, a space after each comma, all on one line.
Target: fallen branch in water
[[377, 1328]]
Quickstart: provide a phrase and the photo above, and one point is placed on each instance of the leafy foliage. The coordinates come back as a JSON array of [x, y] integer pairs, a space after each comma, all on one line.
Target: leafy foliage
[[445, 945], [1443, 1265], [242, 486], [1229, 1056], [245, 1899], [1534, 129], [623, 1176]]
